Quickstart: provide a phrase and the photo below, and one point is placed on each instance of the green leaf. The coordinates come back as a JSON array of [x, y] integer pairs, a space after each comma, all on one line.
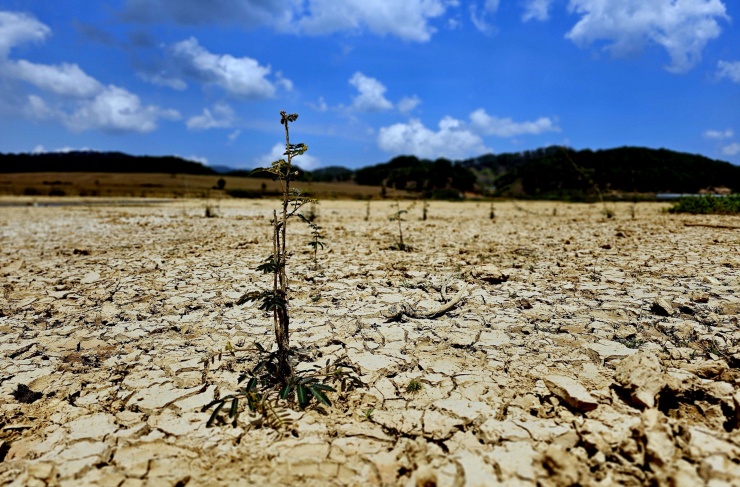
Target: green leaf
[[323, 387], [285, 391], [234, 411], [215, 414], [302, 393], [251, 384], [320, 396]]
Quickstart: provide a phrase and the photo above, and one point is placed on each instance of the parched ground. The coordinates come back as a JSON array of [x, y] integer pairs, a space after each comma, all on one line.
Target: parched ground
[[583, 350]]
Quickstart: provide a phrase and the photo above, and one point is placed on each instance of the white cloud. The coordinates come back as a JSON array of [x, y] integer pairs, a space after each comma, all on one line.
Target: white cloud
[[164, 80], [65, 79], [479, 19], [234, 135], [17, 28], [117, 110], [452, 140], [681, 27], [506, 127], [727, 69], [372, 94], [320, 106], [222, 117], [407, 19], [719, 134], [68, 94], [239, 76], [304, 161], [536, 10], [408, 103], [731, 150]]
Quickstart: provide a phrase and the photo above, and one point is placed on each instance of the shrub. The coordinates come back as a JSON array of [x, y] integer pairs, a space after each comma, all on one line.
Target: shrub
[[707, 204]]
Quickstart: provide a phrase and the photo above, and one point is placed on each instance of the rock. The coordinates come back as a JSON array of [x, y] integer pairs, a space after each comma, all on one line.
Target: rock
[[662, 307], [571, 392], [641, 375]]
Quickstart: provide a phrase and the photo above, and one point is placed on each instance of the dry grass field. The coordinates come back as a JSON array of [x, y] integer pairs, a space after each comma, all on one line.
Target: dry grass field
[[581, 350], [147, 185]]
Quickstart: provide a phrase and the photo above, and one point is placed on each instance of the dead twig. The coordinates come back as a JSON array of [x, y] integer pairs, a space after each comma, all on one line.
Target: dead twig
[[404, 311]]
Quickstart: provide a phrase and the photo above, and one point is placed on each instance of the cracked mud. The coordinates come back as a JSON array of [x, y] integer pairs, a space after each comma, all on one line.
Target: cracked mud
[[580, 350]]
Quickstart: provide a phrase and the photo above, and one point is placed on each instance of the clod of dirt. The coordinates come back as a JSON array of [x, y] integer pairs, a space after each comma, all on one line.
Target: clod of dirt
[[25, 395], [662, 307], [490, 274], [641, 375]]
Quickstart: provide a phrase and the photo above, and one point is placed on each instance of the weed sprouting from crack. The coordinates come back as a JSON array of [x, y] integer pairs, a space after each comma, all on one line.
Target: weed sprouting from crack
[[271, 400], [273, 383], [397, 216]]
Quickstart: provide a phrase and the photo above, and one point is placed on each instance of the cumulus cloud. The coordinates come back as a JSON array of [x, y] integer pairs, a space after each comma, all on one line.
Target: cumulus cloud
[[731, 150], [682, 27], [18, 28], [222, 117], [371, 97], [304, 161], [536, 10], [117, 110], [66, 93], [409, 19], [719, 134], [65, 79], [242, 76], [727, 69], [451, 140], [407, 104], [506, 127]]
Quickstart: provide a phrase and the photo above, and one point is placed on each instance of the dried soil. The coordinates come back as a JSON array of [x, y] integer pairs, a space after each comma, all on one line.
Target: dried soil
[[585, 350]]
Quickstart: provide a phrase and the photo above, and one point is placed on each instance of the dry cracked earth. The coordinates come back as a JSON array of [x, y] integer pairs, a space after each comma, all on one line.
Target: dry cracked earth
[[583, 350]]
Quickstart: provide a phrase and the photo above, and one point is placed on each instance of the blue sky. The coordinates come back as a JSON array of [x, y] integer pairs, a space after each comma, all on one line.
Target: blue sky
[[371, 79]]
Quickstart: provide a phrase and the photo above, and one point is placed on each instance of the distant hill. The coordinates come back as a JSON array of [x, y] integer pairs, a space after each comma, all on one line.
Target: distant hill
[[564, 173], [547, 173], [89, 161]]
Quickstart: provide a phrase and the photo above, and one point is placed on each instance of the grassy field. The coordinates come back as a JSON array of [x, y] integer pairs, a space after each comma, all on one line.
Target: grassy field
[[147, 185]]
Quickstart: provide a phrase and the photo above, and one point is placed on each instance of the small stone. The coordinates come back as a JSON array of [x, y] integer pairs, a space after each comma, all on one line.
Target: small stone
[[570, 391]]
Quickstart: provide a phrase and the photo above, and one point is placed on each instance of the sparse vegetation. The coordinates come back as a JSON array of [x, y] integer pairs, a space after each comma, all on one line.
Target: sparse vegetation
[[414, 386], [397, 216], [707, 204], [273, 379]]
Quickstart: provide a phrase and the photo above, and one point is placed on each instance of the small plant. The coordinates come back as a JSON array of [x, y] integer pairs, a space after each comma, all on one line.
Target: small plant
[[491, 213], [424, 209], [276, 299], [317, 240], [369, 413], [265, 395], [414, 386], [367, 211], [398, 217]]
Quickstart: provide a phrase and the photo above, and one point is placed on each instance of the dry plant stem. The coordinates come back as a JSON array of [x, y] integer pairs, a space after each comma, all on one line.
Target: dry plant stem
[[280, 284]]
